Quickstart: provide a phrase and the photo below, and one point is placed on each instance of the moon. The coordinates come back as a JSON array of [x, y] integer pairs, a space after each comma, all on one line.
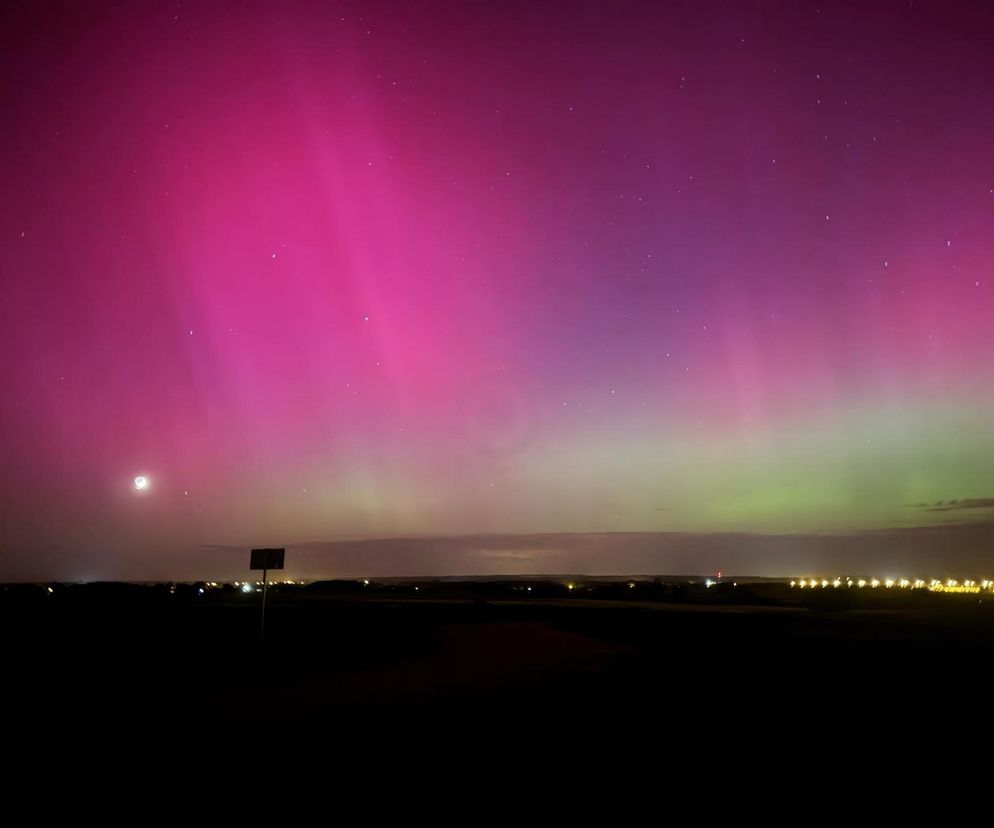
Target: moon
[[141, 483]]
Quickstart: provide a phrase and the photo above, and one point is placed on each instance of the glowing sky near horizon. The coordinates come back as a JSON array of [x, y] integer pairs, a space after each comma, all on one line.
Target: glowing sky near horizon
[[372, 269]]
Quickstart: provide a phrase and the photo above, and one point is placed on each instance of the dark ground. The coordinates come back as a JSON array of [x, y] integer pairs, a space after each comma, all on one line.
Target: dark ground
[[492, 658]]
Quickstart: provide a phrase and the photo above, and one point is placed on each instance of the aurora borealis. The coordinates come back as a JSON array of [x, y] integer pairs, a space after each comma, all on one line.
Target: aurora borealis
[[386, 270]]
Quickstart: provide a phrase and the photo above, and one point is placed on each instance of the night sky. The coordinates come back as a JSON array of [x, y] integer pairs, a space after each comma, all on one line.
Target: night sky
[[499, 277]]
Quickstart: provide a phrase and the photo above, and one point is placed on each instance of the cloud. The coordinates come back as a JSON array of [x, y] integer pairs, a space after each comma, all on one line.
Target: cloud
[[526, 554], [958, 505], [947, 549]]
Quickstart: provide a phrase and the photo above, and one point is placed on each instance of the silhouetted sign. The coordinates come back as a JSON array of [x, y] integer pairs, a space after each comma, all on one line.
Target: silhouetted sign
[[267, 559]]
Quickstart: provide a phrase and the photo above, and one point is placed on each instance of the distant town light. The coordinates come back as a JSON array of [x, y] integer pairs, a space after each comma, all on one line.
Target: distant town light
[[951, 585]]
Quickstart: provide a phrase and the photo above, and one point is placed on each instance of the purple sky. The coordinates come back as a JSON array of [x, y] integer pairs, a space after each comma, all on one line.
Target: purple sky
[[402, 269]]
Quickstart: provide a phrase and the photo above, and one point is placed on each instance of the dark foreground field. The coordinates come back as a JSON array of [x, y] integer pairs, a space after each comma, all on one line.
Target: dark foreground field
[[498, 661]]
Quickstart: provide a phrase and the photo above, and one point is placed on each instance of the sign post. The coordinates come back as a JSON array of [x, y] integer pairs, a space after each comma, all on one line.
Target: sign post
[[266, 559]]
